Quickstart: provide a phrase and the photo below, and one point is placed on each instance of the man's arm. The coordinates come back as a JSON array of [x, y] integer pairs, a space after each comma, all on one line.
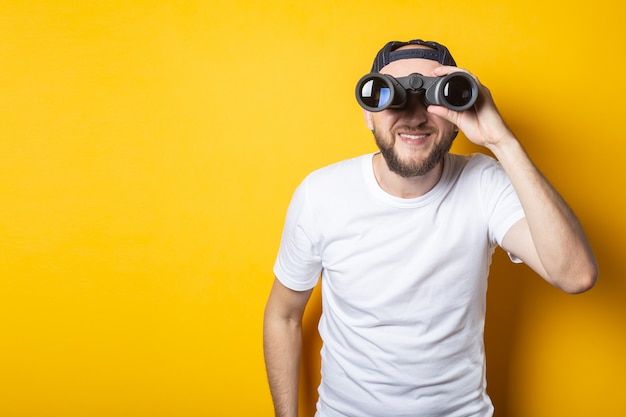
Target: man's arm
[[550, 239], [282, 344]]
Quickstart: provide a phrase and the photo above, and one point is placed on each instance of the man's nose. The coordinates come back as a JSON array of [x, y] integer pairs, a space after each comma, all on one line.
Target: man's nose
[[415, 105]]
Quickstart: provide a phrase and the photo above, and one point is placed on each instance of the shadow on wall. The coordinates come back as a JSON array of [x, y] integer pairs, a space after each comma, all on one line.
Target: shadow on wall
[[311, 345], [503, 301]]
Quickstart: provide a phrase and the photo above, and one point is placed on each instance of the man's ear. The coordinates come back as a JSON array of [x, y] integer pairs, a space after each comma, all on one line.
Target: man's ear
[[368, 119]]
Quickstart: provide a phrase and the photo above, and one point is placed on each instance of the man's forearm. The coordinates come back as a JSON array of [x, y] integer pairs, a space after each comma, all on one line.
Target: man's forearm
[[282, 342]]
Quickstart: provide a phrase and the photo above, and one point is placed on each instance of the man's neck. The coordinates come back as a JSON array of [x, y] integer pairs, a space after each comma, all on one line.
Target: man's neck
[[403, 187]]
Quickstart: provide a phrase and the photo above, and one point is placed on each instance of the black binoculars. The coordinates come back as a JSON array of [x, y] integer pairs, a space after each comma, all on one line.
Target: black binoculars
[[376, 92]]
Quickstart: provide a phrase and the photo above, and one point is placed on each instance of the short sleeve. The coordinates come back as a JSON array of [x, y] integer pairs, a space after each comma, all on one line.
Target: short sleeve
[[501, 204], [298, 264]]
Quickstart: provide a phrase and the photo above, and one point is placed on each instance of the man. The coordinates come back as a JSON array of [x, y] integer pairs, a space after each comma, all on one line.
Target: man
[[403, 239]]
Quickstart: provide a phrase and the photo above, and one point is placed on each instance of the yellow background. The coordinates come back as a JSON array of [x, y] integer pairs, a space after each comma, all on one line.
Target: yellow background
[[149, 150]]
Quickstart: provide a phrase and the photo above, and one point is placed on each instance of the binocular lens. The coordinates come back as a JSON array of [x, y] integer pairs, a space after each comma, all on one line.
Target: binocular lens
[[458, 91], [375, 93]]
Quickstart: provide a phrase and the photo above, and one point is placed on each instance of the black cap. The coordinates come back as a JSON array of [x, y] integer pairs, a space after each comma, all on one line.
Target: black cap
[[389, 53]]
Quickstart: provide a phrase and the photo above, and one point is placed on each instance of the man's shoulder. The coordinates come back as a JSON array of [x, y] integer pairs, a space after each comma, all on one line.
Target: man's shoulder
[[340, 171], [337, 181], [472, 164], [472, 160]]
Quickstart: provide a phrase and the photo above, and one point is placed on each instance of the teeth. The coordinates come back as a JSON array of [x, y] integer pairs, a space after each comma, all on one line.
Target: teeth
[[413, 136]]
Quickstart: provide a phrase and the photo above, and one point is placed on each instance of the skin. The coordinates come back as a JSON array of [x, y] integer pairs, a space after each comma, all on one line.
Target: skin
[[550, 239]]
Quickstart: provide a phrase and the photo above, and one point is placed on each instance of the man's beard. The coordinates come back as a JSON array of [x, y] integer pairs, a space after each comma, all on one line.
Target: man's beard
[[410, 169]]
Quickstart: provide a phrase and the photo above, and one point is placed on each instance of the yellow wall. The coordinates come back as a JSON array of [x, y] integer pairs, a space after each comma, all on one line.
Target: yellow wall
[[149, 150]]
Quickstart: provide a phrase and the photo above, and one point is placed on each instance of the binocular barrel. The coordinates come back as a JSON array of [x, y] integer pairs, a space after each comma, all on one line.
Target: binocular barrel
[[376, 92]]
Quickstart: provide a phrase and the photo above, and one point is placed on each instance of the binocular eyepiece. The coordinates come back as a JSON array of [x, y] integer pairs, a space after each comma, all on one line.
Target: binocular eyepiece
[[376, 92]]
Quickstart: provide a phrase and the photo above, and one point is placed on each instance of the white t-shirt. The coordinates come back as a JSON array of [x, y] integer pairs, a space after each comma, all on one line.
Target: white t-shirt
[[403, 285]]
